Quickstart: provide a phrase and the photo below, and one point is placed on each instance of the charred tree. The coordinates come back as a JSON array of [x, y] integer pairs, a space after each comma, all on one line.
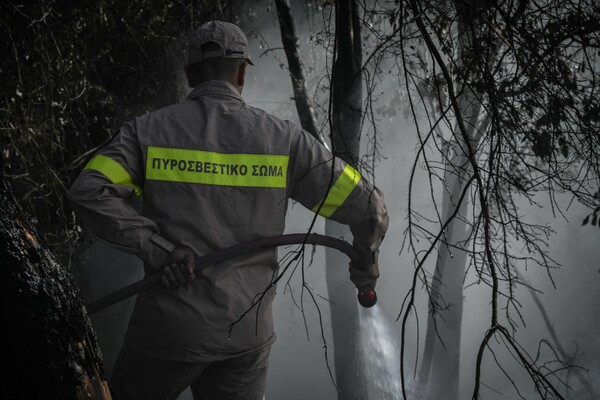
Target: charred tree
[[49, 349], [345, 121], [345, 127], [346, 83], [289, 39]]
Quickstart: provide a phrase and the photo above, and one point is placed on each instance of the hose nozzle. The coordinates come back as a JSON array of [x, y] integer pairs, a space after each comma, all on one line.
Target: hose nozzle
[[367, 299]]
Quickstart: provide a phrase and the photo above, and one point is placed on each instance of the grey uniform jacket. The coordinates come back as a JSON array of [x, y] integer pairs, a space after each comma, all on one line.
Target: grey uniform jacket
[[213, 172]]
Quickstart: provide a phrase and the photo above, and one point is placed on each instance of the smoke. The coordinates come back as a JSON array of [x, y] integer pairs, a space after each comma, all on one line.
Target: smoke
[[298, 366]]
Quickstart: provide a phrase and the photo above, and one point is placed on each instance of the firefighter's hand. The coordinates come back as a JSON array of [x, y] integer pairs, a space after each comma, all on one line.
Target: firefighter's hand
[[365, 276], [178, 268]]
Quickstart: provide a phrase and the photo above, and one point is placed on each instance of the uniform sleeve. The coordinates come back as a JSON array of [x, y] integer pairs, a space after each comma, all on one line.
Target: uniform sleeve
[[327, 185], [102, 199]]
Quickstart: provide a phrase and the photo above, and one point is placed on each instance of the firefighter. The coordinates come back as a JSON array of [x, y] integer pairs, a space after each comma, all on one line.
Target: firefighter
[[212, 172]]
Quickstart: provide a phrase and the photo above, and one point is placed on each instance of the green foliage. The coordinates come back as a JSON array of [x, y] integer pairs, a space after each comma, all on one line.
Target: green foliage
[[71, 74]]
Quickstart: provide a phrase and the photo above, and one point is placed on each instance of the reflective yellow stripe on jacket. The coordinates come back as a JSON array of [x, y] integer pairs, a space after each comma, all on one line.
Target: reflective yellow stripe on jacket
[[221, 169], [339, 192], [113, 171]]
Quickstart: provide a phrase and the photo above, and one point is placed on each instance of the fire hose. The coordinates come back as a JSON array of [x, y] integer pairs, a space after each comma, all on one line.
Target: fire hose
[[366, 299]]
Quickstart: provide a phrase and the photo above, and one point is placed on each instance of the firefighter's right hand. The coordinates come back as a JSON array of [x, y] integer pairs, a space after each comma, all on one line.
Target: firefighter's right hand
[[178, 268], [365, 276]]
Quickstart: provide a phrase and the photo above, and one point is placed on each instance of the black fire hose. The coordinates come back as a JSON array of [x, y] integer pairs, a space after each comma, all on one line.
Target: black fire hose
[[366, 299]]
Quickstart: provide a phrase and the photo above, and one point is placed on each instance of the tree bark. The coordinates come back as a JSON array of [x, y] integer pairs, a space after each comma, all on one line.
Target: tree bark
[[346, 82], [49, 348], [346, 98], [289, 39], [346, 93]]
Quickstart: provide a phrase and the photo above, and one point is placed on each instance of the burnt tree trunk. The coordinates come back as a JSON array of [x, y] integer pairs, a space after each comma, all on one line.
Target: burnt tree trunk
[[346, 83], [289, 39], [346, 107], [346, 118], [48, 348]]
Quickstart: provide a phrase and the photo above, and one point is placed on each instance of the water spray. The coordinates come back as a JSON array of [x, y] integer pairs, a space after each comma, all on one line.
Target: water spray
[[366, 299]]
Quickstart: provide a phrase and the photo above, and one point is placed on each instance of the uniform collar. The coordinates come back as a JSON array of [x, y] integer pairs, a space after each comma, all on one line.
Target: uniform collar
[[212, 88]]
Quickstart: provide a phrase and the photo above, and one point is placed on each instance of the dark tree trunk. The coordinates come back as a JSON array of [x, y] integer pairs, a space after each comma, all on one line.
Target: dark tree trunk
[[296, 67], [346, 119], [346, 98], [48, 348], [346, 91]]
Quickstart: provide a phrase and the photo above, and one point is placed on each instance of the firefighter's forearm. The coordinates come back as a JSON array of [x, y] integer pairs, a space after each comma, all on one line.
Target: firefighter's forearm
[[104, 211], [369, 233]]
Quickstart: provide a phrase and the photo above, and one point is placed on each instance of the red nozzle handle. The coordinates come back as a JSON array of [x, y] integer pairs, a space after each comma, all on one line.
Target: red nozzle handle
[[367, 299]]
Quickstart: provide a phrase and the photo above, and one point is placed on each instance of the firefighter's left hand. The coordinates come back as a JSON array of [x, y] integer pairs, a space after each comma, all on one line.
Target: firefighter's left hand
[[178, 268]]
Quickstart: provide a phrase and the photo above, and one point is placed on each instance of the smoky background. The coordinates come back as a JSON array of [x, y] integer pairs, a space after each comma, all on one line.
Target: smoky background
[[298, 368]]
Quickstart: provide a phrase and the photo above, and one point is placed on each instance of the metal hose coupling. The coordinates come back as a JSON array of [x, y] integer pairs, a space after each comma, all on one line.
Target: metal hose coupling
[[367, 298]]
